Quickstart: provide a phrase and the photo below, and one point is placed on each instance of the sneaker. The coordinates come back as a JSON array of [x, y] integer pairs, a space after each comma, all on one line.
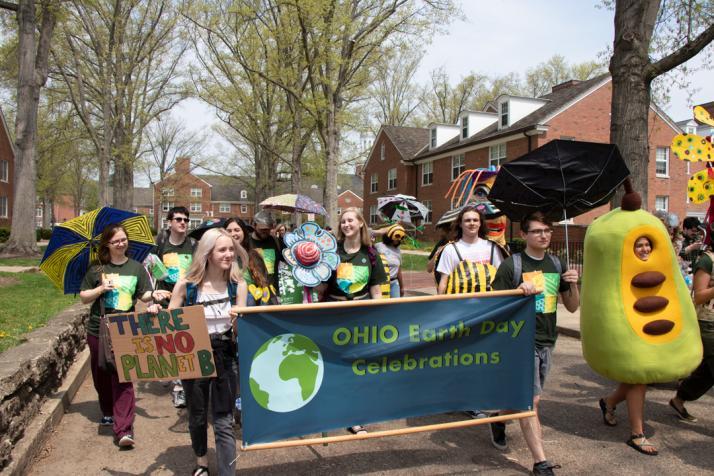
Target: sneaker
[[476, 414], [544, 468], [127, 441], [682, 413], [179, 398], [106, 421], [498, 435]]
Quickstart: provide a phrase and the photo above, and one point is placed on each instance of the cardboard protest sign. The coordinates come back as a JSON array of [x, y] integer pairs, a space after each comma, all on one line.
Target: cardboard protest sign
[[172, 344]]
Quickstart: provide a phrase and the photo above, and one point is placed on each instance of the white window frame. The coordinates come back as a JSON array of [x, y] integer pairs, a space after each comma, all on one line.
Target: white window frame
[[196, 192], [662, 151], [427, 173], [381, 151], [243, 194], [168, 192], [497, 155], [374, 183], [224, 207], [432, 140], [662, 199], [166, 206], [151, 211], [503, 110], [38, 212], [373, 214], [429, 217], [3, 207], [244, 208], [4, 171], [196, 207], [458, 162], [194, 222], [339, 211], [464, 127], [392, 179]]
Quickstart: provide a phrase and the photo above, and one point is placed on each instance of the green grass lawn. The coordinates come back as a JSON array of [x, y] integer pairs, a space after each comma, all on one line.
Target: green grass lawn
[[23, 261], [28, 301], [420, 245], [414, 262]]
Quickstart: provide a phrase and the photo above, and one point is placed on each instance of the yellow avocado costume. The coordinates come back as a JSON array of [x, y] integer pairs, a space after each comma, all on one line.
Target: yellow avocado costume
[[638, 323]]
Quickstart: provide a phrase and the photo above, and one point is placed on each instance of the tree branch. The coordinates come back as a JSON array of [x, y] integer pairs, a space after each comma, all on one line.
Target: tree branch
[[682, 55]]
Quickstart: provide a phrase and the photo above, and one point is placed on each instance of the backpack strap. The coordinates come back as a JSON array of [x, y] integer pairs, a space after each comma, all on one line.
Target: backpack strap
[[191, 294], [517, 269], [456, 248], [556, 262], [493, 247], [233, 292]]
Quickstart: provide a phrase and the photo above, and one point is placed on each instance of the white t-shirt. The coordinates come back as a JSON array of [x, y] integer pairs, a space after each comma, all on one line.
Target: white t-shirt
[[479, 252], [393, 255]]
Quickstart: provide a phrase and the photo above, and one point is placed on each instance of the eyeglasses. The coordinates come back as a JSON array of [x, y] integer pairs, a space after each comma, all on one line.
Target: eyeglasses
[[118, 242], [181, 219], [541, 232]]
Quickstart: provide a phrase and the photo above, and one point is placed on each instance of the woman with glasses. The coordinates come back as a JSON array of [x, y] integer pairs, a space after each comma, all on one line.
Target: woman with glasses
[[112, 285], [215, 281], [456, 266]]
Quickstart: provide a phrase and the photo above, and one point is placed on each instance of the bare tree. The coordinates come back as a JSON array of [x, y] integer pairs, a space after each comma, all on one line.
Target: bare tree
[[32, 75]]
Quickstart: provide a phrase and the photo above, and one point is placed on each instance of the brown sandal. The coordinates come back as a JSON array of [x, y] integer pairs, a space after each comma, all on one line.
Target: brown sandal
[[608, 414], [643, 445]]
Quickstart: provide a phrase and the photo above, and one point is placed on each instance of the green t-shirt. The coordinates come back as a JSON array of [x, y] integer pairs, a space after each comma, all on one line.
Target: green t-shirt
[[269, 250], [355, 274], [704, 263], [130, 282], [177, 259], [543, 274]]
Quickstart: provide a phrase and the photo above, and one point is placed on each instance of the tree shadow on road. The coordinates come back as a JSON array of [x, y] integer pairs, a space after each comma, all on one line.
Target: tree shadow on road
[[176, 460]]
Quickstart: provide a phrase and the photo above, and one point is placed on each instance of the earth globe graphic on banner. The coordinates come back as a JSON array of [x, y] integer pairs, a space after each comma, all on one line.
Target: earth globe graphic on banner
[[286, 373]]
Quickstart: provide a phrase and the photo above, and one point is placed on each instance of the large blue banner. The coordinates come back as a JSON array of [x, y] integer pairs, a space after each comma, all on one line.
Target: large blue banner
[[312, 370]]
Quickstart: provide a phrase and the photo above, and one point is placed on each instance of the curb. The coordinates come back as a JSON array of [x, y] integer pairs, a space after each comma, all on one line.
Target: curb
[[39, 429]]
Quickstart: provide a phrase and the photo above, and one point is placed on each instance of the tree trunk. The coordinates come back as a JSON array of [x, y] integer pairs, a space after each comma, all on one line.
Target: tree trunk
[[47, 206], [332, 156], [296, 158], [22, 240]]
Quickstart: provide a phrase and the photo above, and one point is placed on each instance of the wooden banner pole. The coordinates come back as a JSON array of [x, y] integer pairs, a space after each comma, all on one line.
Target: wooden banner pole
[[375, 302], [383, 433]]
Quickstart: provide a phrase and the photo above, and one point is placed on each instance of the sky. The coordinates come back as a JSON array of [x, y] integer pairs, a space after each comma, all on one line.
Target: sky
[[503, 36]]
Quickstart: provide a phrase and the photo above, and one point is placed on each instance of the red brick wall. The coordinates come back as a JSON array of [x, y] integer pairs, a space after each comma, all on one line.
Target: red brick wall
[[6, 188], [349, 199], [182, 183]]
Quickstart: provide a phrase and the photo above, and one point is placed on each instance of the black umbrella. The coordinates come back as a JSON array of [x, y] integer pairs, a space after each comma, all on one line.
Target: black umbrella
[[198, 232], [562, 179]]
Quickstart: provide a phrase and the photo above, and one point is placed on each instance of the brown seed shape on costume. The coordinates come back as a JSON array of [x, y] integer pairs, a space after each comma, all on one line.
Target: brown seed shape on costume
[[651, 303], [648, 279], [658, 327]]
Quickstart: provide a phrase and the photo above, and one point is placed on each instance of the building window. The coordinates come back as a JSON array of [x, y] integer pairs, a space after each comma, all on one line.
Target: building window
[[381, 151], [166, 206], [4, 171], [151, 211], [196, 207], [38, 212], [662, 202], [496, 155], [373, 215], [196, 192], [433, 138], [464, 127], [3, 207], [392, 179], [504, 114], [373, 184], [167, 192], [224, 207], [244, 209], [662, 162], [194, 222], [427, 173], [427, 204], [339, 211], [243, 194], [457, 166]]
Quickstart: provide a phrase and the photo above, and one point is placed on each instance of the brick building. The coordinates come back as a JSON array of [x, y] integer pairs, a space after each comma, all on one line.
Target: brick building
[[423, 162], [7, 173]]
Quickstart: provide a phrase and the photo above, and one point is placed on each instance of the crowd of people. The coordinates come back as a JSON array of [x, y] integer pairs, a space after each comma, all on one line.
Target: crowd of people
[[240, 264]]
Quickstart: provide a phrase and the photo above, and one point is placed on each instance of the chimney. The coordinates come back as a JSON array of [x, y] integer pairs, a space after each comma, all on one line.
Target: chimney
[[183, 165], [565, 85]]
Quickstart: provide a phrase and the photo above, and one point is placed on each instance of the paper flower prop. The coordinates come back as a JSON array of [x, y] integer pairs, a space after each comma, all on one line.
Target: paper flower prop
[[311, 252], [700, 186], [692, 148]]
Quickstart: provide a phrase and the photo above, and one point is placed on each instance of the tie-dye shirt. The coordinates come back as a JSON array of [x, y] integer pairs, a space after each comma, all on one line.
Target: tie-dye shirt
[[355, 274], [177, 260], [130, 282], [544, 275]]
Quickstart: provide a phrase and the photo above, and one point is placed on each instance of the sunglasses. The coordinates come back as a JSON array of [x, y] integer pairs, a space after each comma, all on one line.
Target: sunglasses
[[181, 219]]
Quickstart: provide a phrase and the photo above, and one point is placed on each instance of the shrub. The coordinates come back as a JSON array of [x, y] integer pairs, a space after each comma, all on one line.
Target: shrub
[[43, 233], [4, 234]]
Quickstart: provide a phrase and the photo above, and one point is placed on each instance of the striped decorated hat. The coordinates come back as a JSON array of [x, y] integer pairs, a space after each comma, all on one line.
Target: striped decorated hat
[[396, 232]]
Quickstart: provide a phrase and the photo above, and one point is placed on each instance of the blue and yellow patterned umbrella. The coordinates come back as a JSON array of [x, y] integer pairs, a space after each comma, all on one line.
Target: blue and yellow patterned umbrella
[[73, 244]]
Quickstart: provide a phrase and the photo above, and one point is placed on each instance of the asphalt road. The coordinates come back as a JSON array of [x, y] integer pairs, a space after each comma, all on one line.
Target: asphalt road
[[574, 434]]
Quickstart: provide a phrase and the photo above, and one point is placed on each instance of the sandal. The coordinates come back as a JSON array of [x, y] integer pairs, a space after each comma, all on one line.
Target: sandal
[[357, 430], [608, 414], [200, 471], [643, 445]]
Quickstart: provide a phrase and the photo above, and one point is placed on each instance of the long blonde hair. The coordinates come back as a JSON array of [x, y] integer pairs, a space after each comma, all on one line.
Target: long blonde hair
[[363, 232], [197, 271]]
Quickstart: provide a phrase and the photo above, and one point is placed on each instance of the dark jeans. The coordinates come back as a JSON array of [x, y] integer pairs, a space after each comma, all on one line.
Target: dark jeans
[[116, 399], [702, 379], [220, 391]]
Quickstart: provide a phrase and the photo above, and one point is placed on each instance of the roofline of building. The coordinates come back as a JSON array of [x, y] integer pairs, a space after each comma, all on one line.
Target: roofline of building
[[7, 133], [374, 144]]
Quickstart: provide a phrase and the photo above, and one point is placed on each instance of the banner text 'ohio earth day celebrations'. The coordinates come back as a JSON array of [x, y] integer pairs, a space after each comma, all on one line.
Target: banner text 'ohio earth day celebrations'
[[312, 370]]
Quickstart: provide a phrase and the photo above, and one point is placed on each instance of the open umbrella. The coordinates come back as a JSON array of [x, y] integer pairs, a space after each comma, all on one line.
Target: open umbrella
[[198, 232], [562, 179], [401, 208], [293, 202], [73, 244]]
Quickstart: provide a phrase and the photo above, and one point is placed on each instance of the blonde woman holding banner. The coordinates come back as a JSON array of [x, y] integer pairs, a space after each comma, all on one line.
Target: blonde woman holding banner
[[215, 280]]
